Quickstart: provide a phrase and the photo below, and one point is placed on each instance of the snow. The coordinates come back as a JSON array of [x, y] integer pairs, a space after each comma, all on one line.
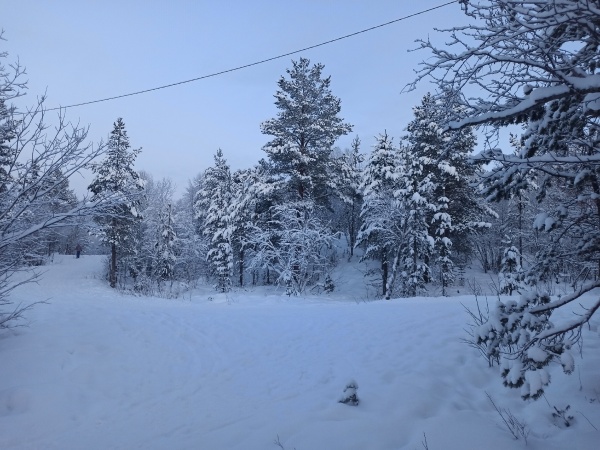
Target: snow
[[537, 354], [100, 370]]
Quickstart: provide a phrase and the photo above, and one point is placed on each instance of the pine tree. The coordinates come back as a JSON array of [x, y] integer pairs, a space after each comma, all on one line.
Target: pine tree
[[212, 205], [452, 173], [379, 231], [414, 193], [115, 178], [304, 131], [252, 192], [165, 246]]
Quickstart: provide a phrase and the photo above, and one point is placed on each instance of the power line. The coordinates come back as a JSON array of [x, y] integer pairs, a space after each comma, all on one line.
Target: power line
[[245, 66]]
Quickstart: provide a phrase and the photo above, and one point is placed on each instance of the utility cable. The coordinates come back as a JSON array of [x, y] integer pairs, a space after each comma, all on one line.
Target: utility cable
[[245, 66]]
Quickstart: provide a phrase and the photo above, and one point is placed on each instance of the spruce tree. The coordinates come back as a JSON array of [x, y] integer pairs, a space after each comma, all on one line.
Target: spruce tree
[[414, 194], [115, 178], [165, 246], [452, 172], [212, 205], [379, 213]]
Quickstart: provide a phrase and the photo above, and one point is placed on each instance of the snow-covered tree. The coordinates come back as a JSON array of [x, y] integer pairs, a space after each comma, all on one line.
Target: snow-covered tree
[[350, 165], [511, 274], [35, 163], [192, 245], [458, 210], [379, 213], [414, 194], [212, 206], [442, 223], [295, 246], [252, 192], [534, 63], [115, 177], [304, 131], [165, 246]]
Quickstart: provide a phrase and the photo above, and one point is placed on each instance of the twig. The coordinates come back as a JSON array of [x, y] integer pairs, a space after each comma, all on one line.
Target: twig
[[584, 416]]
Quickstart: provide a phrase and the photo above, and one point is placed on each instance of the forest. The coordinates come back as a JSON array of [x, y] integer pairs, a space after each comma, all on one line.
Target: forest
[[417, 209]]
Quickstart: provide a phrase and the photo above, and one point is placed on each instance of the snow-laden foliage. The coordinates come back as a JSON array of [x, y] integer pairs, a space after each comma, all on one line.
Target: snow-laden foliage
[[157, 248], [348, 191], [417, 198], [165, 245], [304, 131], [535, 63], [36, 204], [413, 194], [452, 174], [379, 230], [115, 177], [252, 191], [192, 246], [295, 245], [511, 272], [212, 207]]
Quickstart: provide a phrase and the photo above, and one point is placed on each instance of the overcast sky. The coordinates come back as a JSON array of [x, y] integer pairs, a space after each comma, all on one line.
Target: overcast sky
[[80, 51]]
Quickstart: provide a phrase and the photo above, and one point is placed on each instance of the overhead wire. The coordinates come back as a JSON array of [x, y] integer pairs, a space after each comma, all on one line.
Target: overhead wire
[[256, 63]]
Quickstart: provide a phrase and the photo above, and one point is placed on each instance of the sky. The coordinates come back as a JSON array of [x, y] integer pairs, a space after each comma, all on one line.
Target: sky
[[82, 51]]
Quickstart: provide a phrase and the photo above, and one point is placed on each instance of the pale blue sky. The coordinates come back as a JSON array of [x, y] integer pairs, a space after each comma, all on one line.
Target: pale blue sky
[[81, 51]]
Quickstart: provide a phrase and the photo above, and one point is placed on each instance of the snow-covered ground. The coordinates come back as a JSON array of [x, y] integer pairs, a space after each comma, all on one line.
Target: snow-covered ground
[[100, 370]]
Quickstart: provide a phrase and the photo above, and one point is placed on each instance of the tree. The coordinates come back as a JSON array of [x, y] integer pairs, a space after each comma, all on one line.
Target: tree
[[212, 206], [379, 230], [304, 131], [511, 271], [249, 208], [115, 177], [455, 208], [295, 245], [349, 191], [192, 245], [165, 246], [154, 257], [35, 163], [535, 63], [414, 195]]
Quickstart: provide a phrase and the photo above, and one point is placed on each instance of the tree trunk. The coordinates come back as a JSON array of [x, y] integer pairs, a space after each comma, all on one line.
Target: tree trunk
[[113, 258], [520, 229], [113, 266], [384, 271], [241, 268], [351, 230], [392, 278]]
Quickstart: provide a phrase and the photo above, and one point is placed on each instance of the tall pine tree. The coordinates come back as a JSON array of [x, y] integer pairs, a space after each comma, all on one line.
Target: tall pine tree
[[115, 178], [304, 131], [379, 213], [212, 207]]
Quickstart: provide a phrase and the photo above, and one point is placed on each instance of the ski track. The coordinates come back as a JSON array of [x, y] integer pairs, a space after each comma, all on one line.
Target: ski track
[[98, 369]]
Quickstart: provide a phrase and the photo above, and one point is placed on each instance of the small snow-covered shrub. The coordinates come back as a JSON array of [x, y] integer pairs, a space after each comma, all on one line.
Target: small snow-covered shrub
[[562, 418], [349, 396]]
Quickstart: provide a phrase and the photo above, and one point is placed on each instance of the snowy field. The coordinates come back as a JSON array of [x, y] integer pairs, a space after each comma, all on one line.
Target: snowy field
[[100, 370]]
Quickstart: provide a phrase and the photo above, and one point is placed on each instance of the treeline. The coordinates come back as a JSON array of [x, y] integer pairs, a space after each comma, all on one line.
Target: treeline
[[414, 208]]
